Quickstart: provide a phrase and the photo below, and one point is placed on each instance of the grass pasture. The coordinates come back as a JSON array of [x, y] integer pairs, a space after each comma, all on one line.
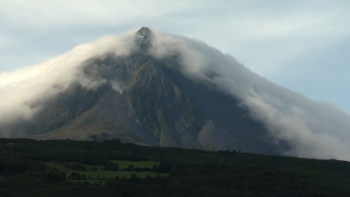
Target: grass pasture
[[113, 174], [61, 166], [101, 176], [89, 181], [137, 164], [123, 164]]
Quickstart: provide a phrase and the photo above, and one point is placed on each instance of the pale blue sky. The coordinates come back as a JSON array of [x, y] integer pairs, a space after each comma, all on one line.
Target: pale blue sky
[[302, 45]]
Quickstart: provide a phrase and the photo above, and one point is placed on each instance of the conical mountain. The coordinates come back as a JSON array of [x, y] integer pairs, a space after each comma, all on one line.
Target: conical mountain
[[149, 101]]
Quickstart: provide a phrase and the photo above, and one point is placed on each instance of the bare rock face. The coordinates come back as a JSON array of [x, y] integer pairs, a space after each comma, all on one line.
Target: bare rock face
[[148, 101]]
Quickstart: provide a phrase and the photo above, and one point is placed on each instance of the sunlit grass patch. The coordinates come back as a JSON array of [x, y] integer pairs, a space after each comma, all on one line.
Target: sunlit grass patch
[[112, 174], [137, 164], [89, 181]]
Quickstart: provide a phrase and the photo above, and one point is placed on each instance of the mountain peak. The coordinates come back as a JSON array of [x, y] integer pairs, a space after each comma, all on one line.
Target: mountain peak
[[144, 31], [145, 40]]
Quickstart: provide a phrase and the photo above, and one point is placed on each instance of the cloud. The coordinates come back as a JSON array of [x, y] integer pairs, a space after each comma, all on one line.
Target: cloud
[[283, 37], [313, 129], [21, 88]]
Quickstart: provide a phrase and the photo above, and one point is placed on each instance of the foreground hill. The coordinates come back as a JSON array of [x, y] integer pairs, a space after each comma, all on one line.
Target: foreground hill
[[111, 168]]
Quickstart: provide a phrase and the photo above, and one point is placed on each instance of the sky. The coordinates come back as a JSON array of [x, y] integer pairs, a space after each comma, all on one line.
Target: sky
[[301, 45]]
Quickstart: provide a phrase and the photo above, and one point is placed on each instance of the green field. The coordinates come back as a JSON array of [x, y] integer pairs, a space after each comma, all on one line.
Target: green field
[[123, 164], [89, 181], [111, 175], [100, 174], [61, 166], [138, 164]]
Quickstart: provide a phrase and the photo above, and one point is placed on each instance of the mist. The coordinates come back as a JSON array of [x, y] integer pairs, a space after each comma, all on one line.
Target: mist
[[312, 129], [23, 87]]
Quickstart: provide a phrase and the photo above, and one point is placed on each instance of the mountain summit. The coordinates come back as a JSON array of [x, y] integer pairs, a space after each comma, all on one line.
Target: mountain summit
[[144, 31]]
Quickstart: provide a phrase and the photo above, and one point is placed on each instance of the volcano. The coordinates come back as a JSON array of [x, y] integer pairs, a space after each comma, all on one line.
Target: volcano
[[149, 101], [156, 89]]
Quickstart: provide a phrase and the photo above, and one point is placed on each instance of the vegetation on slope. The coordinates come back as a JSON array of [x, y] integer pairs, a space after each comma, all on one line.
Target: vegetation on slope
[[111, 168]]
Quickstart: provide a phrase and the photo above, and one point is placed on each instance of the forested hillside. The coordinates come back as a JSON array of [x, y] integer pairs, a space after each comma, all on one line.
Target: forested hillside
[[111, 168]]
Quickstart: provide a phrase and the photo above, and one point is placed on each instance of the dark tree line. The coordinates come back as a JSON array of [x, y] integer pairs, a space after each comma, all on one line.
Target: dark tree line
[[191, 172]]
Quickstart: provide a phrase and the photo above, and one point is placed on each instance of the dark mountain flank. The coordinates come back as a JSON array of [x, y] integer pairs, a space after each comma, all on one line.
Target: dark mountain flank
[[147, 101]]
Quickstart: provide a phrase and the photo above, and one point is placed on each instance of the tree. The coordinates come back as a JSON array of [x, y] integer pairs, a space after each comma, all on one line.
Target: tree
[[78, 167], [111, 166]]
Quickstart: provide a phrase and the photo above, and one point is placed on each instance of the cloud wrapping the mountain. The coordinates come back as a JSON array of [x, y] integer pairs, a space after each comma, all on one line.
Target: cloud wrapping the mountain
[[22, 88], [313, 129]]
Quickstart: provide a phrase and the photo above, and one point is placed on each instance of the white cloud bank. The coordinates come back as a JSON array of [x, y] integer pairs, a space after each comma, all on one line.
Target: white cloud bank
[[21, 88], [318, 130], [314, 129]]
